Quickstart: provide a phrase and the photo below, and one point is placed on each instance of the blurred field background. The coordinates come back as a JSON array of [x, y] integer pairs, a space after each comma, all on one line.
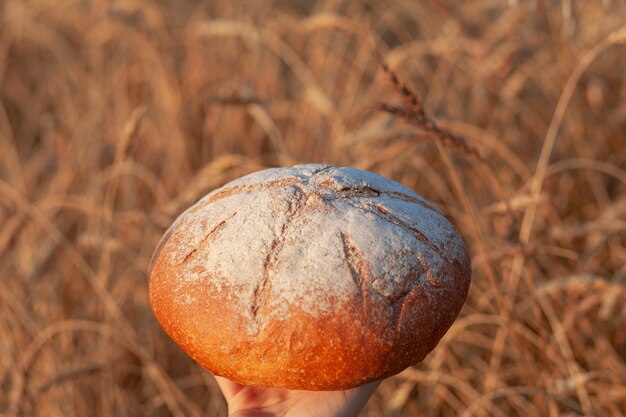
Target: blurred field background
[[117, 115]]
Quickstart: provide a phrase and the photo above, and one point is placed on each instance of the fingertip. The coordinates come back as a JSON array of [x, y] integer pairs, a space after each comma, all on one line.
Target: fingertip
[[228, 387]]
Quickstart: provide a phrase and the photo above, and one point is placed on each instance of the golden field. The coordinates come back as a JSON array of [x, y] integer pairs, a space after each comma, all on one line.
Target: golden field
[[117, 115]]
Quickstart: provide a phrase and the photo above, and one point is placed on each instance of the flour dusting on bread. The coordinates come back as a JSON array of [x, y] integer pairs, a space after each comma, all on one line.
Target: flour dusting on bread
[[308, 236]]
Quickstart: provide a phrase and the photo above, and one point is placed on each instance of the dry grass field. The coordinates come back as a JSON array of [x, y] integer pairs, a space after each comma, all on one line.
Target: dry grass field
[[117, 115]]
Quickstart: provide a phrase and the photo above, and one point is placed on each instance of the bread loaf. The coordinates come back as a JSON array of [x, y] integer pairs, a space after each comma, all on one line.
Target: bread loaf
[[312, 277]]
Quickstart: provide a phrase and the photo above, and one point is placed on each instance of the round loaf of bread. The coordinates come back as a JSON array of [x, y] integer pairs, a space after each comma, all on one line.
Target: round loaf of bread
[[312, 277]]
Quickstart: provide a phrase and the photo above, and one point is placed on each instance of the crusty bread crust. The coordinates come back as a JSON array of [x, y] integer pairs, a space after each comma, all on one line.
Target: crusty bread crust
[[312, 277]]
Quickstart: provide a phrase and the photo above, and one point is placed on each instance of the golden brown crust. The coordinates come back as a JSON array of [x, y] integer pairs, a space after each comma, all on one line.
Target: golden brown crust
[[367, 335], [331, 352]]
